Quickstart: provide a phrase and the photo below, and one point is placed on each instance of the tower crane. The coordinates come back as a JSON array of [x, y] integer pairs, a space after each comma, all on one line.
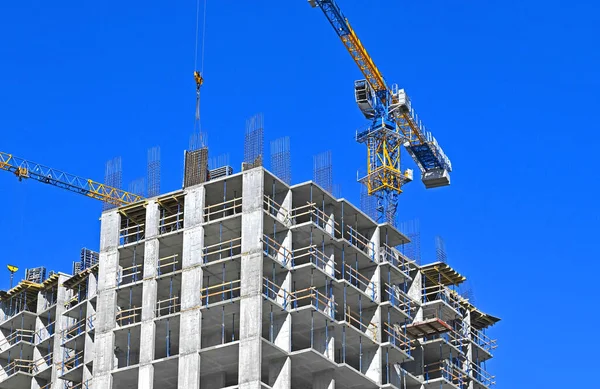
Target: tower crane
[[25, 169], [394, 123]]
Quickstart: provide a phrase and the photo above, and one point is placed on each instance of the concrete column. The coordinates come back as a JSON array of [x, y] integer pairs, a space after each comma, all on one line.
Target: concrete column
[[250, 353], [149, 293], [191, 283], [106, 303], [324, 380], [60, 324], [280, 373]]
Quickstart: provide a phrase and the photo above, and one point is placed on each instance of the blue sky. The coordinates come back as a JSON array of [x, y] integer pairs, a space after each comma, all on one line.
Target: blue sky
[[508, 88]]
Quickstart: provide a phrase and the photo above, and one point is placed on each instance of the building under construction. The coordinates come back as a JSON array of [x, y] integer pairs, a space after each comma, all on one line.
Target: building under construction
[[245, 282]]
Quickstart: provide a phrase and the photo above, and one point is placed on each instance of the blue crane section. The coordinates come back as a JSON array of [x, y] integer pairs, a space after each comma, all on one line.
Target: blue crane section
[[25, 169], [394, 121]]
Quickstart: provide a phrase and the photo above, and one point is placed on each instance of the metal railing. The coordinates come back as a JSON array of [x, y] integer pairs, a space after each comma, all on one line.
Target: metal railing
[[275, 293], [170, 223], [131, 274], [225, 291], [224, 209], [482, 340], [132, 234], [19, 335], [444, 369], [276, 210], [168, 264], [129, 316], [312, 297], [396, 335], [399, 299], [70, 362], [481, 375], [360, 241], [73, 330], [358, 280], [44, 333], [440, 292], [276, 251], [356, 321], [168, 306], [316, 257], [397, 259], [222, 250]]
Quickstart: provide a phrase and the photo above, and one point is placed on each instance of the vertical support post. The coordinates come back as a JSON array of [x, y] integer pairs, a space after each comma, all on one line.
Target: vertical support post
[[191, 285], [250, 348]]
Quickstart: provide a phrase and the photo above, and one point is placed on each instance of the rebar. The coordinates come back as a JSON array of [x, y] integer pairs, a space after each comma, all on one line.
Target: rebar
[[280, 159]]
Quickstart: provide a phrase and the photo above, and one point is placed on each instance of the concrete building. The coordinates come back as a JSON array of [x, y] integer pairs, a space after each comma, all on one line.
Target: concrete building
[[245, 282]]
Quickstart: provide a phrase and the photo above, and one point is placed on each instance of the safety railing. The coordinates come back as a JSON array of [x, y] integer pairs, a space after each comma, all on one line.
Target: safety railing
[[452, 337], [312, 297], [91, 320], [78, 297], [19, 335], [482, 340], [44, 332], [222, 250], [129, 316], [80, 385], [225, 291], [168, 264], [275, 292], [397, 259], [276, 210], [316, 257], [170, 223], [131, 274], [17, 365], [168, 306], [41, 363], [276, 251], [70, 362], [440, 292], [74, 330], [355, 278], [312, 213], [48, 386], [481, 375], [132, 233], [444, 369], [226, 208], [396, 335], [399, 299], [360, 241], [357, 321]]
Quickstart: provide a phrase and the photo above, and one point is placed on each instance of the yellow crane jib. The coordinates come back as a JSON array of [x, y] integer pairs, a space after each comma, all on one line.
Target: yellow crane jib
[[23, 168]]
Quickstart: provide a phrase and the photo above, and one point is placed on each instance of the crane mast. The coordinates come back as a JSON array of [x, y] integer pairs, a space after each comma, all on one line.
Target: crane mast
[[394, 124], [25, 169]]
